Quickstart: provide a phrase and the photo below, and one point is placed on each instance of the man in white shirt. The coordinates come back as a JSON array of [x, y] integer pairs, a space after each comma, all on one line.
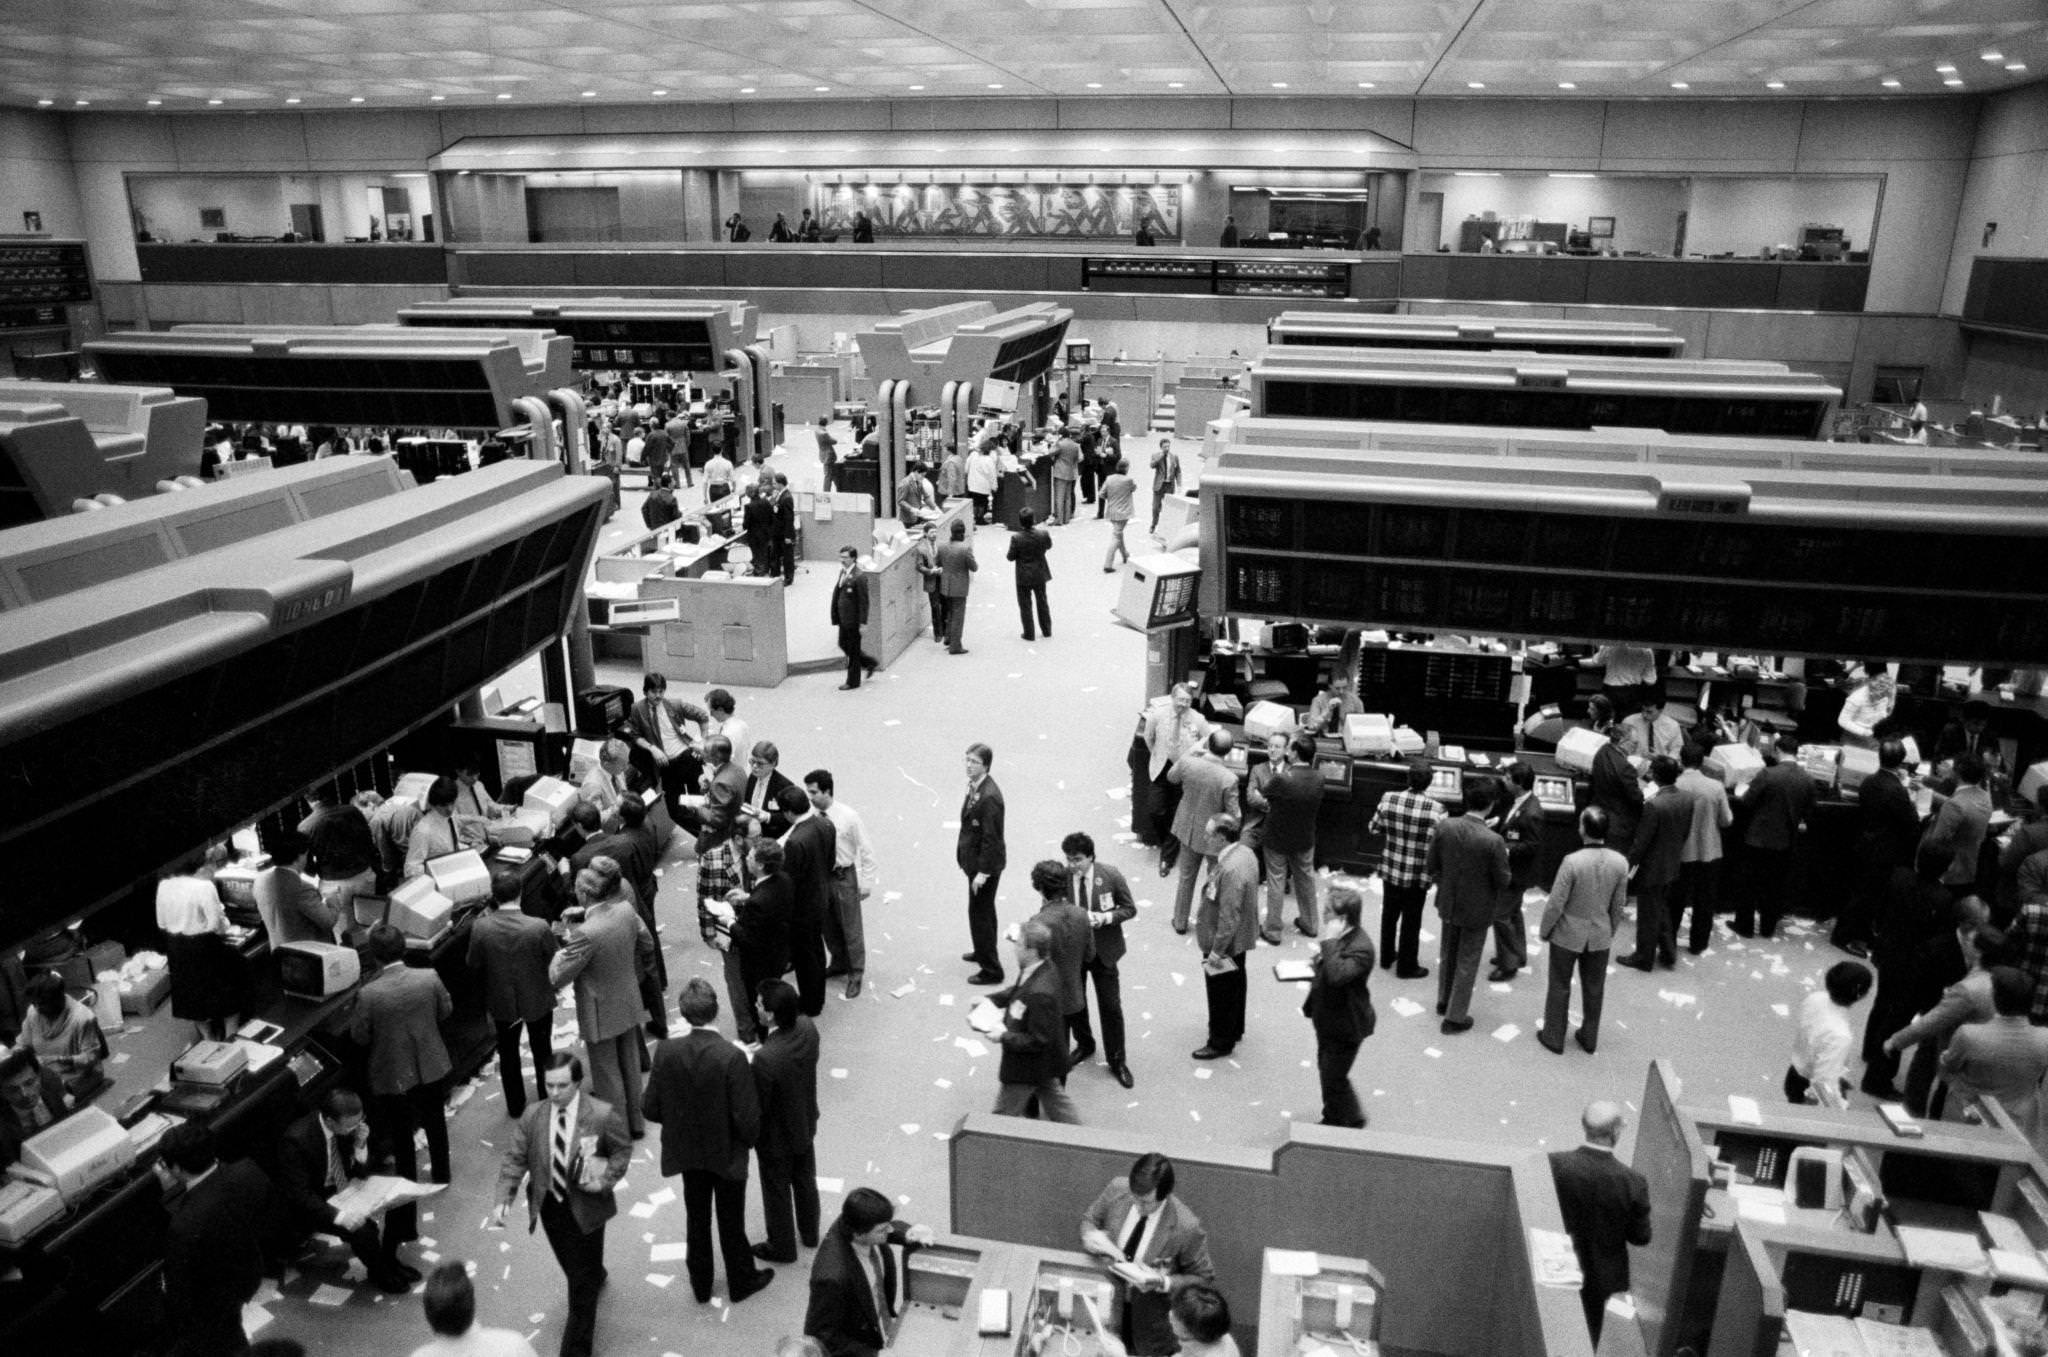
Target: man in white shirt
[[1649, 732], [1631, 671], [1869, 705], [450, 1305], [1824, 1043], [720, 704], [718, 474], [853, 880]]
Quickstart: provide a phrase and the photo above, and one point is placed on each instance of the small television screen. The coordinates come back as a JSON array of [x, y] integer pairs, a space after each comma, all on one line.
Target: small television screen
[[1080, 353], [1336, 771], [1446, 784], [1554, 791]]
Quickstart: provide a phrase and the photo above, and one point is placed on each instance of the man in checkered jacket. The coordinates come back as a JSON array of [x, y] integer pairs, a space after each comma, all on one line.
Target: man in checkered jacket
[[1406, 819]]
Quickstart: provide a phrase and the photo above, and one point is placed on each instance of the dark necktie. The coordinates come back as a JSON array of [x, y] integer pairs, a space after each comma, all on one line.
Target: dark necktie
[[558, 1172], [882, 1310], [1132, 1236], [337, 1172]]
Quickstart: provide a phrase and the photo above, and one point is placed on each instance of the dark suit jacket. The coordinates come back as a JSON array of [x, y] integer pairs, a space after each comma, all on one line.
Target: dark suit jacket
[[849, 603], [786, 1081], [1470, 864], [398, 1016], [1780, 798], [1614, 788], [702, 1093], [1294, 797], [1073, 947], [1179, 1248], [1660, 837], [1027, 549], [760, 928], [511, 949], [1103, 890], [841, 1314], [529, 1153], [644, 727], [636, 864], [723, 790], [1606, 1207], [1034, 1028], [213, 1257], [981, 847], [956, 564], [1890, 821], [809, 848], [12, 1132], [1339, 999], [1521, 828], [775, 824], [302, 1189]]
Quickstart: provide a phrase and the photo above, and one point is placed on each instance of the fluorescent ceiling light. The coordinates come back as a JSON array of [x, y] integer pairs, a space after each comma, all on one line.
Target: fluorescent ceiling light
[[1952, 80], [1566, 85], [1994, 56], [1476, 174], [1680, 85], [749, 89], [590, 94], [1891, 84], [45, 103], [1279, 84], [2016, 66], [820, 89], [1774, 84], [1093, 85], [1175, 84], [156, 103], [355, 98], [213, 103], [1475, 85], [504, 96], [437, 98], [1573, 174]]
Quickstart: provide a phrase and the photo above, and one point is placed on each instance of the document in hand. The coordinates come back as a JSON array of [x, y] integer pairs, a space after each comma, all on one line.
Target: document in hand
[[1218, 965], [378, 1193]]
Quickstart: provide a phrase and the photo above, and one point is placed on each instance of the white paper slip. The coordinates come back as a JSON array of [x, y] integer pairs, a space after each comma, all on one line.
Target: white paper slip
[[659, 1279], [838, 1074], [1405, 1007], [325, 1294], [641, 1209], [831, 1184], [254, 1318], [945, 1001], [910, 1128], [661, 1198], [907, 987], [1292, 1263], [668, 1253], [1744, 1111], [1507, 1031], [1763, 1212]]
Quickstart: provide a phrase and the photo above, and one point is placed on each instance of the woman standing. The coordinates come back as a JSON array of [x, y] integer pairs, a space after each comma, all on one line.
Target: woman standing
[[206, 973]]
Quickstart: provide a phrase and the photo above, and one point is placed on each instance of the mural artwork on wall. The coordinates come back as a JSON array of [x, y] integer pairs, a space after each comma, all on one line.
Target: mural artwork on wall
[[1084, 211]]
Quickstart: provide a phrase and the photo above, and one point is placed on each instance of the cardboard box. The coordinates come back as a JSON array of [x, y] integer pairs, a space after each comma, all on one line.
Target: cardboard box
[[462, 877], [145, 994]]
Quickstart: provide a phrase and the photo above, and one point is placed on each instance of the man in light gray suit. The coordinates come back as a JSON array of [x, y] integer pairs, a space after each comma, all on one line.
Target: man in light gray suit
[[398, 1017], [1208, 788], [603, 952], [1470, 864], [1579, 923]]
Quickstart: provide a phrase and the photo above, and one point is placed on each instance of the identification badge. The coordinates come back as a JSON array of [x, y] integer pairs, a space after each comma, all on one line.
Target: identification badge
[[1017, 1010]]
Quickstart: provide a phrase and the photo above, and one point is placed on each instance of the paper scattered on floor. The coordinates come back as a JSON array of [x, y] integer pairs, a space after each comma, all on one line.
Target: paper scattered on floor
[[1745, 1111], [1500, 987], [1507, 1031], [1203, 1074], [1433, 1053], [1178, 978], [1405, 1007], [906, 988], [831, 1184], [659, 1279], [838, 1074], [325, 1294], [910, 1128], [641, 1209], [1676, 999], [254, 1318], [945, 1001], [668, 1253], [1782, 1010], [661, 1198]]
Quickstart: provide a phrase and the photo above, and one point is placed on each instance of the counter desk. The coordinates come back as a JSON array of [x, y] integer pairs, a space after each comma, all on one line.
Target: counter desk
[[898, 610]]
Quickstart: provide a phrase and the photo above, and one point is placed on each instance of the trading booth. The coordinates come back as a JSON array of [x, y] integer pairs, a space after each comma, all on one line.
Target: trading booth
[[66, 442], [1595, 338]]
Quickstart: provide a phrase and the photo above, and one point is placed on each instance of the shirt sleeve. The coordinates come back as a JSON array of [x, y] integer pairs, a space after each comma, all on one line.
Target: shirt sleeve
[[1831, 1045]]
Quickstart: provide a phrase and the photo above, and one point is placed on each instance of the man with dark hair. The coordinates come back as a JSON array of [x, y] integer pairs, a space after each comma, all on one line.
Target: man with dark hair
[[853, 880], [1034, 1032], [1950, 848], [726, 721], [1470, 864], [1291, 800], [213, 1253], [449, 1302], [31, 1100], [1208, 789], [657, 726], [341, 854], [1612, 784], [1028, 546], [1699, 866], [292, 906], [317, 1156], [604, 954], [1606, 1208], [810, 848], [570, 1150], [725, 790], [62, 1034], [1200, 1317], [1073, 948], [759, 932], [854, 1286], [1137, 1219], [2003, 1059], [786, 1080], [956, 563], [760, 809], [398, 1016], [981, 854], [1104, 897], [1519, 822], [510, 951], [849, 613], [1579, 922], [1824, 1041], [1339, 1003], [434, 836], [1780, 798], [1226, 930], [1406, 819], [1658, 849], [702, 1094]]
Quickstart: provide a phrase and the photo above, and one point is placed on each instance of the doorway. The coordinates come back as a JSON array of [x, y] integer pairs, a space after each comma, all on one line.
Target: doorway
[[1429, 222], [307, 223]]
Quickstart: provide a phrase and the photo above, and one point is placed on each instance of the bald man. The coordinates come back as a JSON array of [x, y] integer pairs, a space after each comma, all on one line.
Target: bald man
[[1606, 1207]]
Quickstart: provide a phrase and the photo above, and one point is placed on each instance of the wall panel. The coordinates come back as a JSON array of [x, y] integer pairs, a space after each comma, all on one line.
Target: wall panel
[[277, 139], [1502, 133]]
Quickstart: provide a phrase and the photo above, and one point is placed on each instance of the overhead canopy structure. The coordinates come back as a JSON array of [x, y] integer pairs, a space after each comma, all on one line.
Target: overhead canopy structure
[[713, 338], [172, 674], [949, 356], [374, 376], [1597, 338], [65, 441], [1850, 561], [1559, 391]]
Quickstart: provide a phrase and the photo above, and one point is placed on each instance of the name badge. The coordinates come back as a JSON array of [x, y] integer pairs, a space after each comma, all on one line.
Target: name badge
[[1017, 1009]]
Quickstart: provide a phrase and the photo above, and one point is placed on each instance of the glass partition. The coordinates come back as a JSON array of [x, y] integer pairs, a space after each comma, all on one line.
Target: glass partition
[[330, 208]]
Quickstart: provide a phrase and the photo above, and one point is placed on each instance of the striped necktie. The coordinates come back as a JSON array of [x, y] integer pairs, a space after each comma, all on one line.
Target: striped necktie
[[558, 1172]]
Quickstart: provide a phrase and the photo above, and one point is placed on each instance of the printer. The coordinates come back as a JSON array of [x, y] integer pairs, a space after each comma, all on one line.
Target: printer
[[26, 1207], [76, 1155], [213, 1063]]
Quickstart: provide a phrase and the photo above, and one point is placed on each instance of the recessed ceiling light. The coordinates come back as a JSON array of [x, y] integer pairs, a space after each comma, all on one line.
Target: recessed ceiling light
[[504, 96], [156, 103], [1946, 69], [2016, 66], [1680, 85], [1774, 84], [660, 93], [45, 103], [590, 94], [1566, 85], [213, 103], [1994, 56], [292, 99], [82, 103], [820, 89], [1366, 85], [1573, 174], [747, 89], [1279, 84], [992, 86], [1095, 84], [437, 98], [1175, 84], [355, 98], [915, 87], [1952, 80], [1475, 84], [1889, 83]]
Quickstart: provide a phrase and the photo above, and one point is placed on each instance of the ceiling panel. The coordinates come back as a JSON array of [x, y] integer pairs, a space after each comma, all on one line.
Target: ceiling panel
[[404, 53]]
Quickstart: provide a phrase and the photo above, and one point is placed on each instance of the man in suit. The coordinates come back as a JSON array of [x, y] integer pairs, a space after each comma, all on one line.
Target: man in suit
[[213, 1252], [1407, 819], [1658, 850], [289, 902], [1226, 930], [1073, 948], [1290, 800], [849, 614], [956, 568], [760, 807], [702, 1093], [854, 1286], [1034, 1035], [1699, 867], [658, 728], [571, 1149], [603, 953], [1470, 864], [1137, 1219], [1888, 831], [725, 787], [785, 529], [757, 519], [398, 1016], [1899, 931], [1028, 546], [1520, 826], [320, 1154], [928, 570], [1612, 782], [1170, 732], [1103, 895], [1339, 1003], [1208, 788], [786, 1081], [1579, 922], [1780, 798], [510, 951], [981, 854], [759, 931], [810, 846], [1606, 1207]]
